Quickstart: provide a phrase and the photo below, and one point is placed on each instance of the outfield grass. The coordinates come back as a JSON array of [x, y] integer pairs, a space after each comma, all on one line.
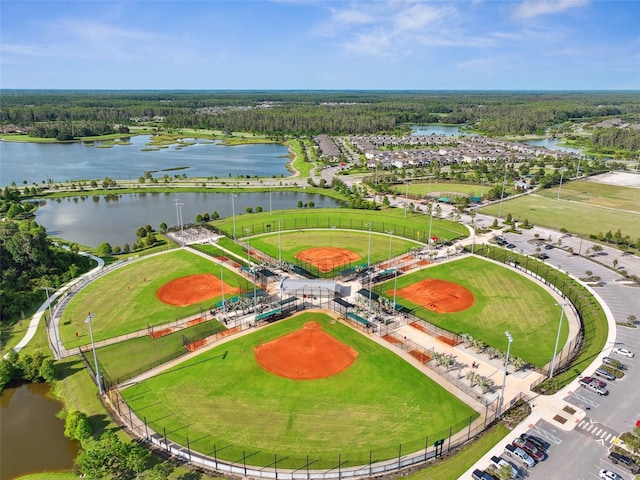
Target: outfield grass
[[229, 401], [415, 226], [125, 302], [597, 194], [578, 218], [453, 467], [292, 243], [504, 300], [138, 354]]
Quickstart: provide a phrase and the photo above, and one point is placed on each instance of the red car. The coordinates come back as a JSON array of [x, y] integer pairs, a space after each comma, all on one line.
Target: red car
[[530, 448], [595, 381]]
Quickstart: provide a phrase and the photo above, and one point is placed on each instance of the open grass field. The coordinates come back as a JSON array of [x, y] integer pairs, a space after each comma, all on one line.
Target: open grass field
[[125, 300], [422, 189], [598, 194], [577, 218], [378, 403], [415, 226], [504, 300], [136, 354], [295, 242]]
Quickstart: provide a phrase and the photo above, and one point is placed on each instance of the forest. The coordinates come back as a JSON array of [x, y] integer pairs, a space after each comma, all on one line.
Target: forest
[[296, 113], [30, 262]]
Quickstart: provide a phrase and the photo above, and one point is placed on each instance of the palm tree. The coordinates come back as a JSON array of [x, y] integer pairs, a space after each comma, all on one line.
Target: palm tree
[[492, 352], [485, 384], [448, 362], [472, 377], [438, 357], [517, 362], [467, 339], [479, 345]]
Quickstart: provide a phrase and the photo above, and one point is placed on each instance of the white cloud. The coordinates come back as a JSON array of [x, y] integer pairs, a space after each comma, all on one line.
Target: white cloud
[[535, 8]]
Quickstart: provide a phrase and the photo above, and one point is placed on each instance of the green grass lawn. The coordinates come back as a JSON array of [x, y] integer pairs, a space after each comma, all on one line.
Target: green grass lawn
[[578, 218], [378, 403], [597, 194], [422, 189], [453, 467], [139, 354], [292, 243], [504, 300], [124, 302], [414, 227]]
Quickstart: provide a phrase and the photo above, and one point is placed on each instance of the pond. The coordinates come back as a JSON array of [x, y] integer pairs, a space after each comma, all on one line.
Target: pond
[[32, 436], [551, 144], [449, 130], [38, 163], [93, 219]]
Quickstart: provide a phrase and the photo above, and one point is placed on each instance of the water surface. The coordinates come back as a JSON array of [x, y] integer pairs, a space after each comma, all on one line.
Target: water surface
[[31, 435]]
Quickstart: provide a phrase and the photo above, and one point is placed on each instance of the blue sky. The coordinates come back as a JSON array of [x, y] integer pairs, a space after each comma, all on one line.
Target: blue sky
[[308, 44]]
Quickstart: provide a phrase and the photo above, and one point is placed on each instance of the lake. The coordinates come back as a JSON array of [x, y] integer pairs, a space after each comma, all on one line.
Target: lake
[[32, 436], [37, 162], [551, 144], [92, 219], [449, 130]]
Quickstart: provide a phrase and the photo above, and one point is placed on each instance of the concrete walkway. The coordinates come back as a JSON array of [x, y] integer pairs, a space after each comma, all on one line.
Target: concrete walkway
[[35, 320]]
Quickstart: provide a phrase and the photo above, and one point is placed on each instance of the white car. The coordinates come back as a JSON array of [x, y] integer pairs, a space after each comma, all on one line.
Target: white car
[[609, 475], [624, 352]]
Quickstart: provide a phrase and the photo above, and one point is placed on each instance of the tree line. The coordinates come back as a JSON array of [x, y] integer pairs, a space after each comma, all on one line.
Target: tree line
[[315, 112]]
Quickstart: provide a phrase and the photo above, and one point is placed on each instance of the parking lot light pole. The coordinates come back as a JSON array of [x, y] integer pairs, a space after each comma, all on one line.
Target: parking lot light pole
[[504, 378], [555, 350], [95, 357]]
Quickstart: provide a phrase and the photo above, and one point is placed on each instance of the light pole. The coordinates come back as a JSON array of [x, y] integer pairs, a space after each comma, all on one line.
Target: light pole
[[279, 242], [51, 324], [93, 345], [390, 237], [179, 215], [395, 283], [224, 307], [370, 225], [560, 186], [504, 378], [270, 209], [233, 214], [253, 270], [430, 223], [555, 350], [473, 214], [504, 181]]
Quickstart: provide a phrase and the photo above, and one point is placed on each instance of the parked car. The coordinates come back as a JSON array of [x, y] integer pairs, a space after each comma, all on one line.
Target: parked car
[[530, 448], [543, 256], [601, 372], [609, 475], [481, 475], [627, 462], [612, 362], [592, 387], [499, 462], [548, 246], [595, 381], [624, 352], [510, 245], [516, 452], [538, 442]]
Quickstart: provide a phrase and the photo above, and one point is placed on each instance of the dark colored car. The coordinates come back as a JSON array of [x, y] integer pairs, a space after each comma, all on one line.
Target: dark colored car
[[595, 381], [538, 442], [548, 247], [530, 448], [601, 372], [627, 462]]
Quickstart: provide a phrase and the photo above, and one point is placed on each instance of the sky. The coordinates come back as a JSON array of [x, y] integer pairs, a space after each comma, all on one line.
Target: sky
[[325, 45]]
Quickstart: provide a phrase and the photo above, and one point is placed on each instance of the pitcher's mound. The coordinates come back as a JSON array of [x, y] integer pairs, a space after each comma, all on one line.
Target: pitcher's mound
[[438, 295], [186, 291], [306, 354], [326, 259]]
